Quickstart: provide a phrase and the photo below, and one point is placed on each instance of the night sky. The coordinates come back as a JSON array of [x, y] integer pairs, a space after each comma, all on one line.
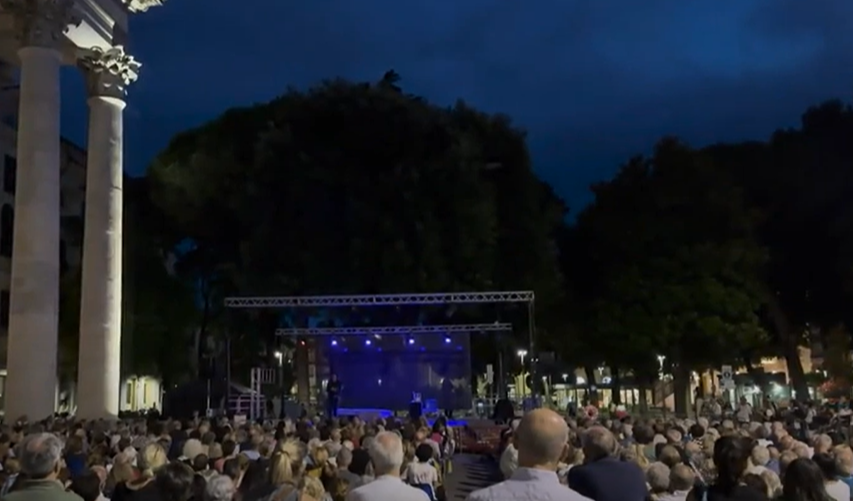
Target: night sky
[[592, 81]]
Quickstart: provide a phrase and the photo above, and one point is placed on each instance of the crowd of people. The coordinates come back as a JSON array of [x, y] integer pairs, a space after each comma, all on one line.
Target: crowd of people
[[672, 460], [547, 456], [204, 460]]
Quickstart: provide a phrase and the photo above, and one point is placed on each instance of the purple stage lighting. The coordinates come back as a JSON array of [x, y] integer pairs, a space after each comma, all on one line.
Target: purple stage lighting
[[368, 342], [334, 342], [447, 340], [411, 341]]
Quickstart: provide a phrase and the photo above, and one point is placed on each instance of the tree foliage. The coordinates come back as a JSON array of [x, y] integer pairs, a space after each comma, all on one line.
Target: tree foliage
[[356, 189], [670, 264], [710, 256]]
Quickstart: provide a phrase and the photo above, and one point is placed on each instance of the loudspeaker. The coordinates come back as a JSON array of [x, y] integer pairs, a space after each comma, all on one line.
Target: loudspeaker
[[416, 409]]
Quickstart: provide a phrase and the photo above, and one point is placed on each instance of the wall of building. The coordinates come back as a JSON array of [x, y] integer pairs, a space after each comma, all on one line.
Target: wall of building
[[140, 393]]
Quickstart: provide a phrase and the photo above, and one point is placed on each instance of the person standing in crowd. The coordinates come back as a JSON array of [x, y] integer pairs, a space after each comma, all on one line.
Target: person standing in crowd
[[386, 453], [595, 477], [41, 463], [541, 439], [333, 395]]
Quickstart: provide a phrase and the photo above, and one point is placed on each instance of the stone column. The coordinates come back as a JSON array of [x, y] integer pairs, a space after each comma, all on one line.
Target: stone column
[[108, 73], [32, 349]]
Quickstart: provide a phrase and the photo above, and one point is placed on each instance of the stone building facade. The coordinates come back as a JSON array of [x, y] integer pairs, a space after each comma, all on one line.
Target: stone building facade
[[37, 38]]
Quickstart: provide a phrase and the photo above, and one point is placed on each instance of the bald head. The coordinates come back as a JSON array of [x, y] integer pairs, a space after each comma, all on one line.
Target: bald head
[[541, 438]]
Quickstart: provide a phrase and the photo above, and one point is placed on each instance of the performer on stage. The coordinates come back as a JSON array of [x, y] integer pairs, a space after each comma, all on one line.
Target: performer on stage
[[333, 394]]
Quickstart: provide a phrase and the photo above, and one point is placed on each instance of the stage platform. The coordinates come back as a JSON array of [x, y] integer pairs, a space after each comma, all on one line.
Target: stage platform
[[385, 413]]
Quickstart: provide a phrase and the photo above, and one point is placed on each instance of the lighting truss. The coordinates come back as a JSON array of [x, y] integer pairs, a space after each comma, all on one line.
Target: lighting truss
[[381, 299], [396, 330]]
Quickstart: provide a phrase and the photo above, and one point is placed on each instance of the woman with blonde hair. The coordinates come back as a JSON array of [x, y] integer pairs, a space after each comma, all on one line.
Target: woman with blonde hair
[[285, 472], [148, 461]]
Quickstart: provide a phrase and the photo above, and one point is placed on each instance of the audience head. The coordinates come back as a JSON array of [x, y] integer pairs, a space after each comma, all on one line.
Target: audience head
[[386, 453], [40, 456], [598, 443], [175, 482], [219, 488], [803, 480], [541, 439]]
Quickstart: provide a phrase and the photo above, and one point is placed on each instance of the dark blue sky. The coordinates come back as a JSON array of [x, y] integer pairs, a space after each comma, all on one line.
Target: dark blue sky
[[592, 82]]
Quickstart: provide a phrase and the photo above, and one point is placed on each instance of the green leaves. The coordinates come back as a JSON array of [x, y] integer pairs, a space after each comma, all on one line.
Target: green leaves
[[669, 262], [360, 188]]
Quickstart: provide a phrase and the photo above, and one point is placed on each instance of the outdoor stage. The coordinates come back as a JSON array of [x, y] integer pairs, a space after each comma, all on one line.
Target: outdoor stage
[[385, 367]]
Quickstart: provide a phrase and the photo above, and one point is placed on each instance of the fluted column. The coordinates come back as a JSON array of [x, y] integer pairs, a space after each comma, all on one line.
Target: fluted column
[[32, 349], [108, 74]]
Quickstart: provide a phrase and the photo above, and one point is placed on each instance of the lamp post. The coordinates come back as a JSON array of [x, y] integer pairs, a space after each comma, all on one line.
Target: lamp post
[[279, 356]]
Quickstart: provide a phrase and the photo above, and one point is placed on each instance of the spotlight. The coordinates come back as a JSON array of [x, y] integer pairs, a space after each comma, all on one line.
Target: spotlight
[[367, 342], [447, 340], [334, 342], [411, 341]]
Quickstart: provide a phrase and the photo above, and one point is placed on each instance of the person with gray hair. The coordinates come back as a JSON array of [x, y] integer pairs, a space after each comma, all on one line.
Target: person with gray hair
[[594, 478], [657, 476], [386, 452], [40, 457], [541, 440], [220, 488]]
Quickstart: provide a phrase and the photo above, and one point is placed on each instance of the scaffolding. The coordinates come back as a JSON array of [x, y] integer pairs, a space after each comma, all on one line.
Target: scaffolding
[[380, 300], [395, 330], [440, 298]]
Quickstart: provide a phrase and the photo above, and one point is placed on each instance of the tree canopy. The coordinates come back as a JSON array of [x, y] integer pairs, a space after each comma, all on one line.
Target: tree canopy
[[717, 255], [358, 188]]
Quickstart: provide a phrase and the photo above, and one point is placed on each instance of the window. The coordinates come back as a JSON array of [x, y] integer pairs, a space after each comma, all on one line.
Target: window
[[7, 230], [5, 307], [10, 174]]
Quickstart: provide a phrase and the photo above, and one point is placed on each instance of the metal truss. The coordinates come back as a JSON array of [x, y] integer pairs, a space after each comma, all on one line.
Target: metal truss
[[396, 330], [380, 299]]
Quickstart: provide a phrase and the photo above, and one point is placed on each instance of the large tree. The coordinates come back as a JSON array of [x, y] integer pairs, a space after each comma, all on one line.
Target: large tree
[[800, 182], [669, 266], [357, 188]]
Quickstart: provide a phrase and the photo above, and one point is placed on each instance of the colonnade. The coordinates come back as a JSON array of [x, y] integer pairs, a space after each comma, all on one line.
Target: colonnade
[[33, 321]]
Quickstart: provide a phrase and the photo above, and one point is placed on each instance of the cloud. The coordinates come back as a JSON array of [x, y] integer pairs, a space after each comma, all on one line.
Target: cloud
[[593, 82]]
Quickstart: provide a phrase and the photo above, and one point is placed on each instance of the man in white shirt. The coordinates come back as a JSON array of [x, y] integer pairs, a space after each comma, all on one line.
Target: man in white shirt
[[541, 439], [386, 452]]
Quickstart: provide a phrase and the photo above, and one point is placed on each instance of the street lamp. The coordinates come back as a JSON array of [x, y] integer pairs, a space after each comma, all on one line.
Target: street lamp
[[279, 356]]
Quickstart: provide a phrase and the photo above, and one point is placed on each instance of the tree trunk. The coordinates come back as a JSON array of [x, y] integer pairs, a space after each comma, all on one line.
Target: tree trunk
[[758, 376], [681, 389], [615, 386], [592, 389], [644, 400], [790, 344]]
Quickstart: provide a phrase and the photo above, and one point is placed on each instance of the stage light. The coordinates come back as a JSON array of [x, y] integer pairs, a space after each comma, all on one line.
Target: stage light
[[367, 342], [334, 342], [411, 341], [447, 340]]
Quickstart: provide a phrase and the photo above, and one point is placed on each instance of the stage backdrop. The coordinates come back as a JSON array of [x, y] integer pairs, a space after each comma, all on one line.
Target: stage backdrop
[[381, 372]]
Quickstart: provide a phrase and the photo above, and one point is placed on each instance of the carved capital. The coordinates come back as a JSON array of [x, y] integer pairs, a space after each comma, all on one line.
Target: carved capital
[[41, 23], [142, 5], [108, 72]]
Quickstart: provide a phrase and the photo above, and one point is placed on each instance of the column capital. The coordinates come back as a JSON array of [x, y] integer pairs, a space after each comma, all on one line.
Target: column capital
[[41, 23], [142, 5], [108, 71]]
